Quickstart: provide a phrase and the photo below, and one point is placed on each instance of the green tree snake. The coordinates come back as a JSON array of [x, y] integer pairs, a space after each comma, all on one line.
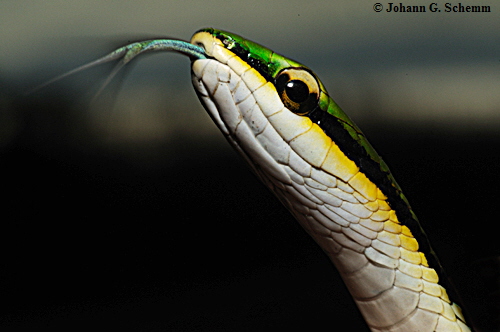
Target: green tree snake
[[278, 115]]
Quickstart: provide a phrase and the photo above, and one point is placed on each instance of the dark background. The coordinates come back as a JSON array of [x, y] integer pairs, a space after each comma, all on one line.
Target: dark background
[[132, 213], [184, 237]]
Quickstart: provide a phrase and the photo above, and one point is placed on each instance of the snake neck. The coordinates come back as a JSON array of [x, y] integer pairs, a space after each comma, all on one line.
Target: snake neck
[[335, 202]]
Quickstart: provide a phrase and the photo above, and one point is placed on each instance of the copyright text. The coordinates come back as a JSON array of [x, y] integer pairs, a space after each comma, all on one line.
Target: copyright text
[[432, 7]]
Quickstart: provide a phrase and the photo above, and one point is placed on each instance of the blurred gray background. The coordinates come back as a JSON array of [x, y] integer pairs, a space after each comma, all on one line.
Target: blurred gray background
[[132, 211]]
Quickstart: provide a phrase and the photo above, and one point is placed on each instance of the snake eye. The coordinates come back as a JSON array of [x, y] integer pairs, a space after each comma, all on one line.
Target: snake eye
[[298, 90]]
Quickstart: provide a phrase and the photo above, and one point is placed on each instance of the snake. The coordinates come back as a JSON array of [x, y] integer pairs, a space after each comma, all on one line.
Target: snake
[[280, 118]]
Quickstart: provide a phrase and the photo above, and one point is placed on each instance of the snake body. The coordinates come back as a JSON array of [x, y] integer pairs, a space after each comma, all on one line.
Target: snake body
[[278, 115], [345, 199]]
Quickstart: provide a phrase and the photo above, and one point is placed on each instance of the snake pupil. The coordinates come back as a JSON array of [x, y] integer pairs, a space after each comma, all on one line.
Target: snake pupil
[[297, 91]]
